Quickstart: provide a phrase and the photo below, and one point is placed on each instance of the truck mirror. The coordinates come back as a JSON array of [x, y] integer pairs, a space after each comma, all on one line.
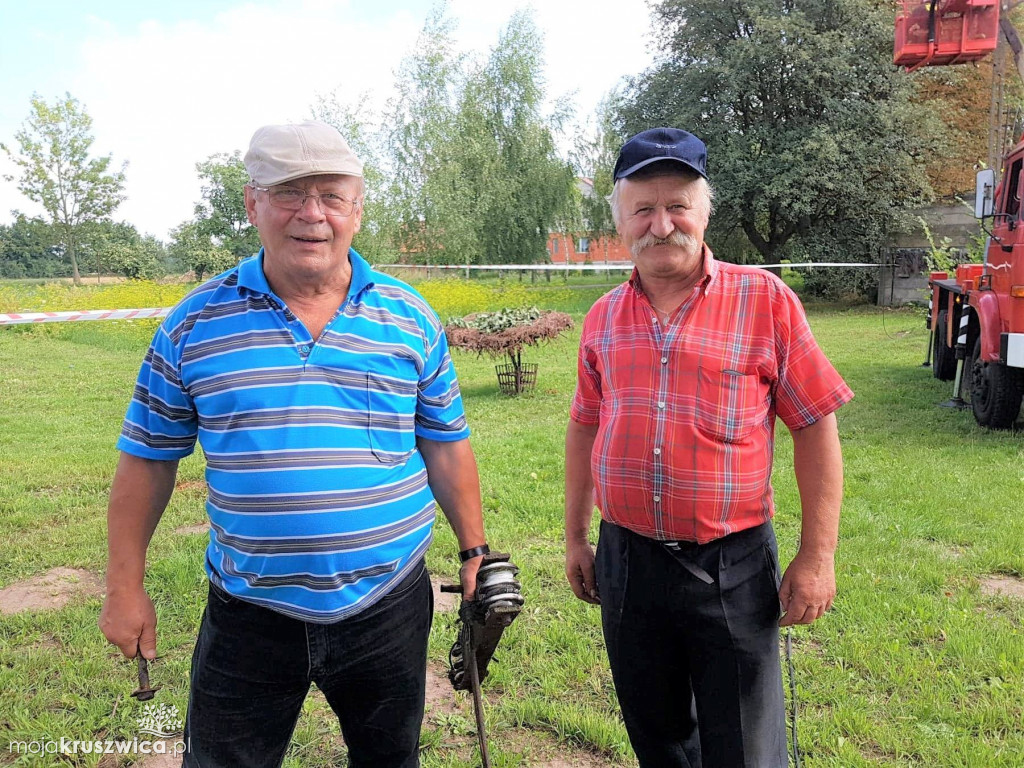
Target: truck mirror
[[984, 194]]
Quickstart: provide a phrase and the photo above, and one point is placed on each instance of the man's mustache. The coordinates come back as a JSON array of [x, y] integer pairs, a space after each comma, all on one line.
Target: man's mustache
[[677, 238]]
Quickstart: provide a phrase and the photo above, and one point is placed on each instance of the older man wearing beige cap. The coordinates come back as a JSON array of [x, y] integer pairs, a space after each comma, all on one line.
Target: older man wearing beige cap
[[327, 406]]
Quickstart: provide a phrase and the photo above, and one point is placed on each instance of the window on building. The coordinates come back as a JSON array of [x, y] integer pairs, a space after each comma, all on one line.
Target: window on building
[[583, 246], [554, 246]]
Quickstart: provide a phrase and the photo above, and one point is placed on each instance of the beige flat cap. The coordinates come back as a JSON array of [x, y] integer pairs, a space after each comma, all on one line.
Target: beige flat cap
[[280, 153]]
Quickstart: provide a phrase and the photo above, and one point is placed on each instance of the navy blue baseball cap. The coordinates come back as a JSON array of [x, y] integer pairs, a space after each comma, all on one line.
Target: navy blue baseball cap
[[659, 144]]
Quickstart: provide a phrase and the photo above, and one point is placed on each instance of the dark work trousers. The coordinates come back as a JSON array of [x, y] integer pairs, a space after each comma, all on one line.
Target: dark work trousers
[[252, 668], [695, 664]]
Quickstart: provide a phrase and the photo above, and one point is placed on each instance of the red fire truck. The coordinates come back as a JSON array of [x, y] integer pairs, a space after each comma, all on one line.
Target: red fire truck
[[976, 315]]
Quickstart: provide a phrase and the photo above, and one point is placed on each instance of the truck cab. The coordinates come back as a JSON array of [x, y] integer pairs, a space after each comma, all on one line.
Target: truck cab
[[977, 314]]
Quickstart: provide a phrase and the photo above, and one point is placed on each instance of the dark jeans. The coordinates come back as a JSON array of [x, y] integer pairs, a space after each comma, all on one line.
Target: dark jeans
[[252, 668], [696, 665]]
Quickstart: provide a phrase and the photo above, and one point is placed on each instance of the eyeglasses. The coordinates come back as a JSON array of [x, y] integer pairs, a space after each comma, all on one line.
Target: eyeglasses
[[293, 199]]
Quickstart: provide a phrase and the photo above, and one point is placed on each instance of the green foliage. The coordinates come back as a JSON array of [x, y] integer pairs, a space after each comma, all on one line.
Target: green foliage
[[196, 251], [58, 297], [809, 128], [29, 248], [220, 216], [455, 298], [135, 262], [32, 248], [57, 172], [118, 248], [495, 322], [943, 256], [474, 173], [220, 235], [522, 188], [842, 244]]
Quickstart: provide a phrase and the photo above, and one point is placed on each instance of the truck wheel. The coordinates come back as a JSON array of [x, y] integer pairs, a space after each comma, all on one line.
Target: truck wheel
[[943, 357], [996, 391]]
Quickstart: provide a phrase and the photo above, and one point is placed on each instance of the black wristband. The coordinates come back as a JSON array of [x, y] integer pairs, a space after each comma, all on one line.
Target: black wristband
[[469, 554]]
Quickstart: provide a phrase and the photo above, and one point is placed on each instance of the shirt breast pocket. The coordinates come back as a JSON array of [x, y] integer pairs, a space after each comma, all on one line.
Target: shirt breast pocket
[[390, 417], [730, 404]]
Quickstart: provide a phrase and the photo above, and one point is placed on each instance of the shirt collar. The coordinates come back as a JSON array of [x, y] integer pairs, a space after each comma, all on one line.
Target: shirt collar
[[251, 276], [709, 271]]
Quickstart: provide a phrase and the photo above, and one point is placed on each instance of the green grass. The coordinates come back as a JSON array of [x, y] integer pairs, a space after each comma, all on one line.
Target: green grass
[[914, 666]]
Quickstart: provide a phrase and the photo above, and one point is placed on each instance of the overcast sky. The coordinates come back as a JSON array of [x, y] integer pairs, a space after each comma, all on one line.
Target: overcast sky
[[167, 84]]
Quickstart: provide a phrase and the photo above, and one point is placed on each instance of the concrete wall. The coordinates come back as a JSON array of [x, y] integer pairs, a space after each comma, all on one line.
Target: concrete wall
[[904, 280], [952, 219], [897, 289]]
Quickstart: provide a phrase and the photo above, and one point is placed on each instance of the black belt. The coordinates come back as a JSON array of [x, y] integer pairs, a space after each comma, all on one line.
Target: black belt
[[674, 549]]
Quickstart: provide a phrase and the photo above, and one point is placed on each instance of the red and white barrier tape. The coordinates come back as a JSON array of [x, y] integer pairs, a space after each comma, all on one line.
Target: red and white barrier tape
[[21, 318]]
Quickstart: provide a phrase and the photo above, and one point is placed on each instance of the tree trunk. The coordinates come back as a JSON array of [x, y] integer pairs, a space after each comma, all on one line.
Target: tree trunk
[[77, 278], [767, 248]]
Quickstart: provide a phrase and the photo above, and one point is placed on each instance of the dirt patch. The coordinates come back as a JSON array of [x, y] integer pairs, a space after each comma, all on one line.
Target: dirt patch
[[539, 749], [49, 492], [944, 549], [1002, 586], [191, 486], [47, 643], [576, 761], [801, 644], [191, 530], [440, 698], [50, 591], [166, 760], [444, 601], [955, 551]]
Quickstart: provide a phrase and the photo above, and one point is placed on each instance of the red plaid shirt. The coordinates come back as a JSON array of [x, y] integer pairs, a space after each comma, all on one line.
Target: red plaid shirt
[[686, 412]]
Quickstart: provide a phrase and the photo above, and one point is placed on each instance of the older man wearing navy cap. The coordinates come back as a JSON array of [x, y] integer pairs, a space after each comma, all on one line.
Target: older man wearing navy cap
[[682, 372], [326, 404]]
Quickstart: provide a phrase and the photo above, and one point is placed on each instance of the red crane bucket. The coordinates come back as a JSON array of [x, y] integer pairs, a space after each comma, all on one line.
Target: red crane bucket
[[934, 32]]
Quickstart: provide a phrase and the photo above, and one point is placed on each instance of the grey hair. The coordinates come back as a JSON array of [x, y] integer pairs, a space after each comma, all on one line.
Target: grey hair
[[707, 192]]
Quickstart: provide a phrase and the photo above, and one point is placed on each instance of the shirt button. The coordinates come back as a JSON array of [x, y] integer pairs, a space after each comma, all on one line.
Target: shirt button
[[661, 404], [664, 361], [657, 498], [304, 349], [657, 451]]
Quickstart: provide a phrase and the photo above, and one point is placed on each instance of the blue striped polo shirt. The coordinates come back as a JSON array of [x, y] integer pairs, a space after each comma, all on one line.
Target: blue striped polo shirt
[[318, 498]]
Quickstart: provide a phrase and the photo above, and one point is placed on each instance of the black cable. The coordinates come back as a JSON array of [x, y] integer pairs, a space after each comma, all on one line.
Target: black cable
[[792, 695]]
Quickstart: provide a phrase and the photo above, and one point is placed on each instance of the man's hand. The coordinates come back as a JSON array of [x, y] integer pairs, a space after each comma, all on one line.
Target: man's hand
[[467, 576], [808, 588], [128, 620], [579, 570]]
